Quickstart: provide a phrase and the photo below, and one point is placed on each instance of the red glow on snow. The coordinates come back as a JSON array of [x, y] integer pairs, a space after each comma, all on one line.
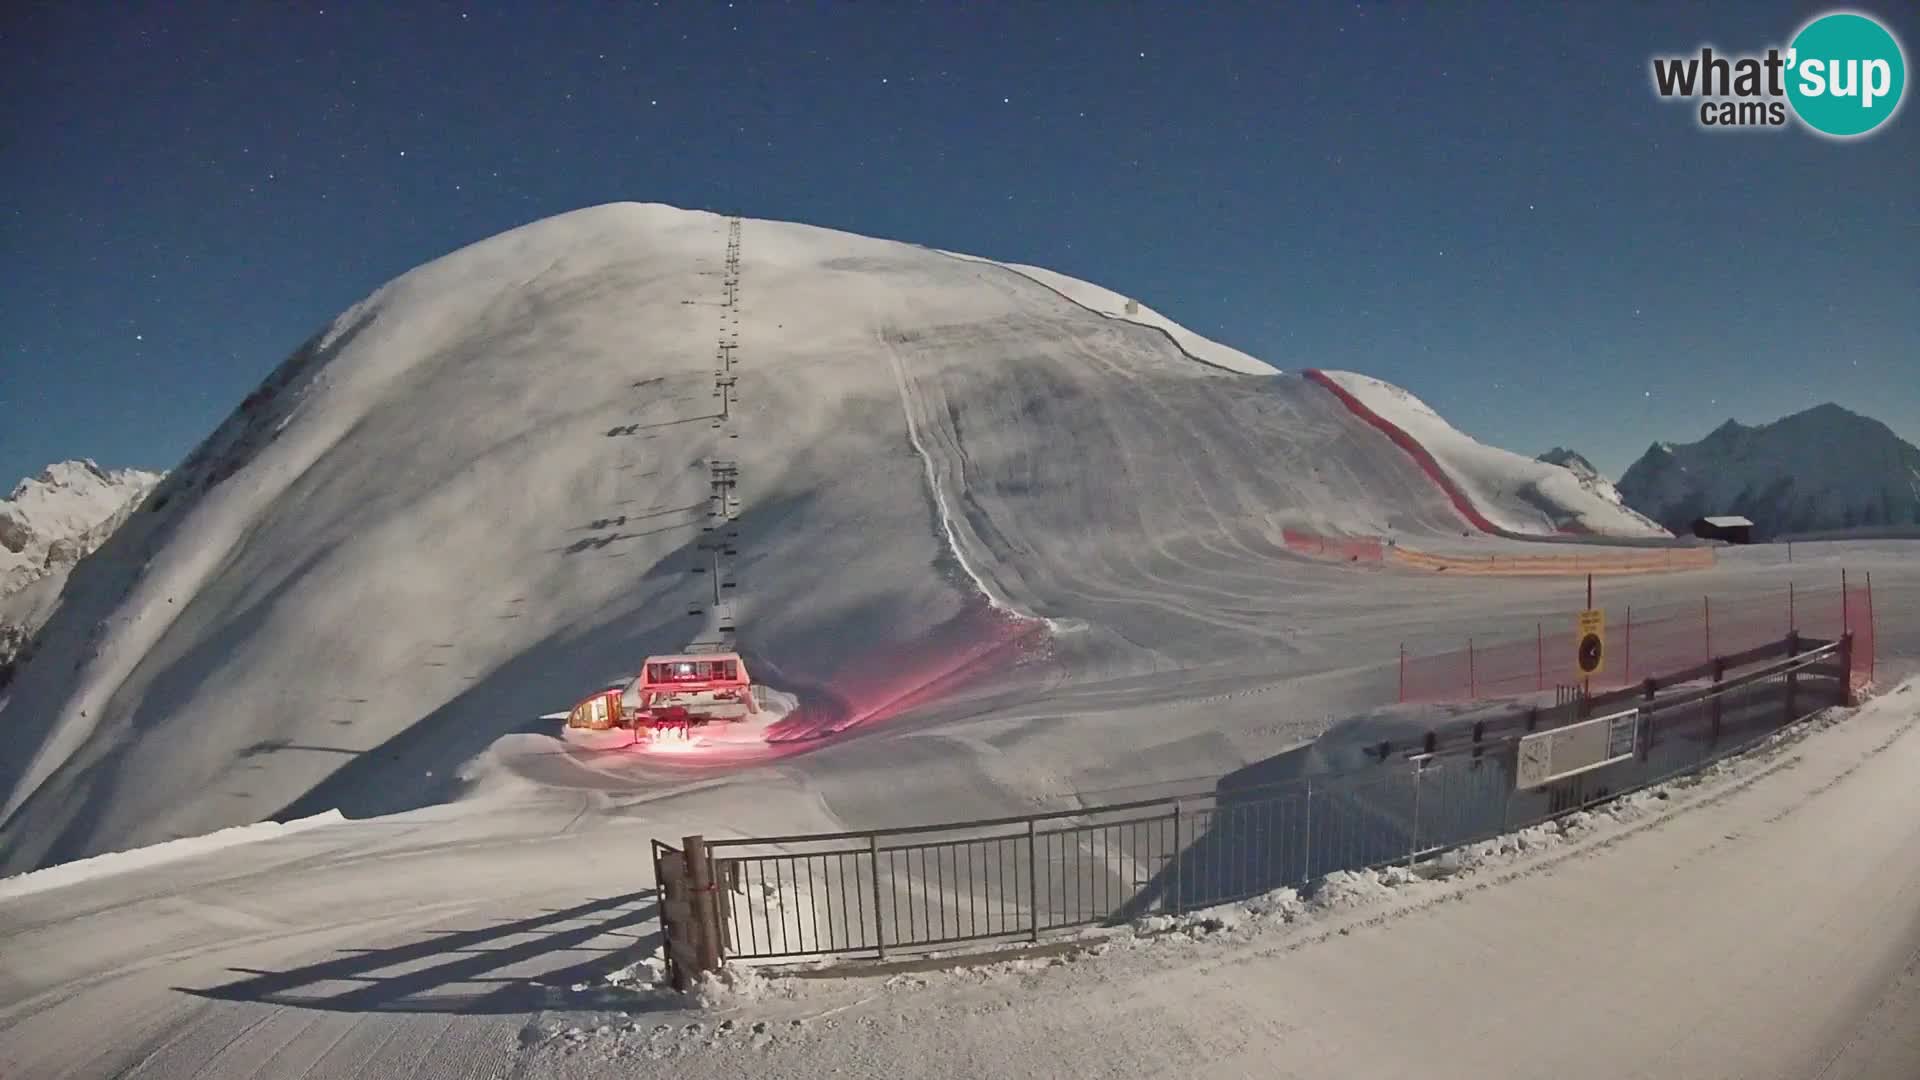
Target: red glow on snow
[[670, 741], [867, 688], [878, 685]]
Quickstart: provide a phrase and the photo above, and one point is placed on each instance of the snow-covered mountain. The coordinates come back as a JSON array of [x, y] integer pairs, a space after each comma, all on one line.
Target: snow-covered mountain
[[1593, 480], [1821, 469], [54, 519], [49, 523], [487, 489], [1574, 461]]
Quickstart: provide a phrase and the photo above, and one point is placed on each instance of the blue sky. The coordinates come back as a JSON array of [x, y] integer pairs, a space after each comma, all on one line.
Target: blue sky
[[1484, 203]]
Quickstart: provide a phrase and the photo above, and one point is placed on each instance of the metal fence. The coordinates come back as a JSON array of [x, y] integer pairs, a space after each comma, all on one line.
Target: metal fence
[[1019, 877]]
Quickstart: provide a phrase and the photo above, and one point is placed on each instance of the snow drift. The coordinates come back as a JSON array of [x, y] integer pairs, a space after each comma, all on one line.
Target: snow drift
[[120, 862], [481, 492]]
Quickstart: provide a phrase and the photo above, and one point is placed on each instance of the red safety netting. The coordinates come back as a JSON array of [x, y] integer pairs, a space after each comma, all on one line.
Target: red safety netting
[[1421, 455], [1644, 641]]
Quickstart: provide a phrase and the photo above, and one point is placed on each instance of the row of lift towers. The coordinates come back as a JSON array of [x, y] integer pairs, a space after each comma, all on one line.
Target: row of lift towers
[[721, 530]]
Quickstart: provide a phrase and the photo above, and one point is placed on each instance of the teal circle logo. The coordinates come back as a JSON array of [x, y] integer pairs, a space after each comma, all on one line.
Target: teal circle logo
[[1845, 74]]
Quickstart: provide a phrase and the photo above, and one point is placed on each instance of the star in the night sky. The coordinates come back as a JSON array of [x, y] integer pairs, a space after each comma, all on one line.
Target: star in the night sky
[[1264, 196]]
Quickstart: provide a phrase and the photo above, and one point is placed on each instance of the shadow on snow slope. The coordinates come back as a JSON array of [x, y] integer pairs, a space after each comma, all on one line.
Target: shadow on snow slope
[[465, 971]]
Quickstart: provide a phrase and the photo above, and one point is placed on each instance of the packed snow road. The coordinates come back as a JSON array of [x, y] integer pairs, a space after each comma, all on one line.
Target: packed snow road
[[1764, 923]]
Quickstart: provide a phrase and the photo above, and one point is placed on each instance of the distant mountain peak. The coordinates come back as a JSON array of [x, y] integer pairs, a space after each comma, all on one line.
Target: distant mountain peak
[[1577, 464], [1823, 468], [1571, 459], [1591, 479], [52, 520], [60, 514]]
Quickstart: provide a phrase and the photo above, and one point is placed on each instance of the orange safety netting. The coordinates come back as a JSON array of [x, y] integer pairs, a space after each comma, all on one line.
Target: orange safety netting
[[1344, 548]]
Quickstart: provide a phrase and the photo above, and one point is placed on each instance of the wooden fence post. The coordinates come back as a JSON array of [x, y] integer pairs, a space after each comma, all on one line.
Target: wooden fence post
[[1873, 634], [1472, 691], [706, 922], [1643, 719], [676, 919], [1706, 615], [1793, 674], [1628, 676], [725, 883], [1847, 696], [1719, 674], [1306, 838]]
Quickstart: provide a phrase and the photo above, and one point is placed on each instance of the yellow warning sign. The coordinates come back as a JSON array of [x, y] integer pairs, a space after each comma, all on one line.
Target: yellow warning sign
[[1590, 654]]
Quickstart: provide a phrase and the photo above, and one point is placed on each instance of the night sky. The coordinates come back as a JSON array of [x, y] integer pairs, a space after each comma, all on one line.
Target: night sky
[[1484, 203]]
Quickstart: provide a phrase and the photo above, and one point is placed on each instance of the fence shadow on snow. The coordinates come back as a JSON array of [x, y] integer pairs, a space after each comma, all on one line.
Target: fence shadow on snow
[[507, 966]]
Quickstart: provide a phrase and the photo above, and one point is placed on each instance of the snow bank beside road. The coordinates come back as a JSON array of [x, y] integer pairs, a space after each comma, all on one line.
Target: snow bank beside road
[[120, 862]]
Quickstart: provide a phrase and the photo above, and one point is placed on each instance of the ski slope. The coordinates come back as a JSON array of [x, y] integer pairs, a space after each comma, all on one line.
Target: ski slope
[[480, 493], [1504, 490]]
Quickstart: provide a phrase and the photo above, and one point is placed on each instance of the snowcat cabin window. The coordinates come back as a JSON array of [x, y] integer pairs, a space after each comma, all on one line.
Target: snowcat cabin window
[[678, 671], [726, 670]]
